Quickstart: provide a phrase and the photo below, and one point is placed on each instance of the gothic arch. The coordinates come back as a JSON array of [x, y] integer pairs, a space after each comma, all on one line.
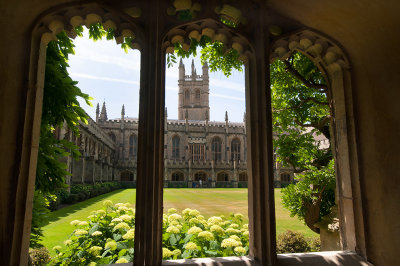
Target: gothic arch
[[332, 61], [216, 148], [68, 17], [215, 30], [177, 176], [243, 177], [200, 175], [127, 175], [222, 176], [285, 177]]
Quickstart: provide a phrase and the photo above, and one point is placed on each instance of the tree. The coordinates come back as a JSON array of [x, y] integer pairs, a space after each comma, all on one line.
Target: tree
[[302, 112]]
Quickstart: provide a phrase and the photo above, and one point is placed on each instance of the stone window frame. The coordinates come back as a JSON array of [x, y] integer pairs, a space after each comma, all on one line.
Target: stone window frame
[[225, 175], [259, 139], [186, 97], [216, 153], [178, 173], [241, 175], [285, 177], [176, 147], [133, 145], [204, 174], [197, 96], [235, 149]]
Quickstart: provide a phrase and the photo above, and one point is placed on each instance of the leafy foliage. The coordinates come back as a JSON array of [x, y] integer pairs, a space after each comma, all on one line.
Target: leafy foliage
[[60, 105], [108, 236], [314, 184], [39, 214], [301, 113], [293, 242], [39, 256], [214, 53]]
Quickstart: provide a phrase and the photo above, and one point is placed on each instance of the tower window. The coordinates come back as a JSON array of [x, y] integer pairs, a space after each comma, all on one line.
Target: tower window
[[187, 97], [198, 97]]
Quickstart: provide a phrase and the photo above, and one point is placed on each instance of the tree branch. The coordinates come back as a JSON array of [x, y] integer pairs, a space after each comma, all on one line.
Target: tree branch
[[307, 83], [312, 99]]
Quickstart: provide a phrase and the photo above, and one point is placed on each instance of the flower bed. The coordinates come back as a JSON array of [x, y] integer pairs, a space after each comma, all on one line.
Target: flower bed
[[108, 236]]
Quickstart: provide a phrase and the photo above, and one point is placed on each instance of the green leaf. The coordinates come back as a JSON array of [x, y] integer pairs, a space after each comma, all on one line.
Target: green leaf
[[122, 253], [93, 229], [117, 237], [122, 245]]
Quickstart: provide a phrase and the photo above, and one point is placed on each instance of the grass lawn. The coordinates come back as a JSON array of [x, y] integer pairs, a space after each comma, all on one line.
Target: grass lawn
[[208, 201]]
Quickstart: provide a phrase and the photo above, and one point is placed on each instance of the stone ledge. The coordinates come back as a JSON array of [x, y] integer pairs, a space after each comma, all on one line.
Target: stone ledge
[[347, 258], [329, 258]]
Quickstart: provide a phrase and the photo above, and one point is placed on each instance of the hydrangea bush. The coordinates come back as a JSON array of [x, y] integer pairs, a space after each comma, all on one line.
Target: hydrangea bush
[[108, 236], [190, 235]]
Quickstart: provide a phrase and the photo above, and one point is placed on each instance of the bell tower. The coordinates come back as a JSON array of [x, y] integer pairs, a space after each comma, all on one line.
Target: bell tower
[[193, 94]]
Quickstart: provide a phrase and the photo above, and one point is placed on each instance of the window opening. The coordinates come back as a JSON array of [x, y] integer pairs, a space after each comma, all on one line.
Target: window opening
[[175, 147], [235, 150], [203, 185], [106, 141], [216, 149], [301, 123]]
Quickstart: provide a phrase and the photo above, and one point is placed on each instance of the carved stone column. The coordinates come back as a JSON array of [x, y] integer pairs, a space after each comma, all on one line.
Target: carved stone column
[[259, 150], [149, 195]]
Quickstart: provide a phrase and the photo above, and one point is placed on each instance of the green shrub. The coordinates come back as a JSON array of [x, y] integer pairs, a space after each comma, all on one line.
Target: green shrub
[[39, 218], [39, 256], [108, 236], [292, 242], [315, 244], [63, 195]]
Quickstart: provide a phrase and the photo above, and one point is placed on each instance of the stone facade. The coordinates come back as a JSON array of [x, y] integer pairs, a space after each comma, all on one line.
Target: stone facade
[[194, 148]]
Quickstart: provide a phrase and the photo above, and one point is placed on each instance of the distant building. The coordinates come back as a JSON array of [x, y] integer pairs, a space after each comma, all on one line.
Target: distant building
[[194, 148]]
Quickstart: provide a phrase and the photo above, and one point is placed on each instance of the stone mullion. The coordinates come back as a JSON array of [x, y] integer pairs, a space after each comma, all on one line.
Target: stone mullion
[[150, 146], [259, 152]]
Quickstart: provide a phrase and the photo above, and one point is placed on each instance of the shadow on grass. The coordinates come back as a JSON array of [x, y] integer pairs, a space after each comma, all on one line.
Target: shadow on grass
[[61, 213]]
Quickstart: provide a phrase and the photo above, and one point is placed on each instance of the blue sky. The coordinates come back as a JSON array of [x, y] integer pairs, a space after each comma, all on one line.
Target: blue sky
[[106, 72]]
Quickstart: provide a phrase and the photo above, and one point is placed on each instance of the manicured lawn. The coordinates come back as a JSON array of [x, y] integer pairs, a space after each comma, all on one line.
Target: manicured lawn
[[208, 201]]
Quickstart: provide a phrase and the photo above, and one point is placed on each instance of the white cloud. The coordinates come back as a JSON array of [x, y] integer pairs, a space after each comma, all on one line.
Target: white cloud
[[228, 85], [227, 97], [80, 75]]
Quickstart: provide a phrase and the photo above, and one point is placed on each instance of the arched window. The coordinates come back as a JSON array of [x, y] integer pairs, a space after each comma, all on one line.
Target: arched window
[[177, 176], [200, 176], [112, 136], [243, 177], [285, 177], [126, 176], [235, 150], [222, 177], [132, 145], [175, 147], [187, 97], [216, 149], [198, 97]]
